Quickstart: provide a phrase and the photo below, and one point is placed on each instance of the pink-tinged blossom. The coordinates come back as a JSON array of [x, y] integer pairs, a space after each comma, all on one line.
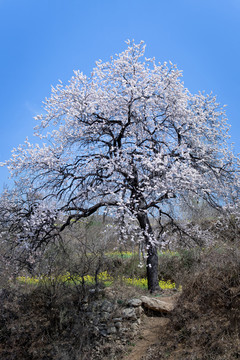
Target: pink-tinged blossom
[[131, 138]]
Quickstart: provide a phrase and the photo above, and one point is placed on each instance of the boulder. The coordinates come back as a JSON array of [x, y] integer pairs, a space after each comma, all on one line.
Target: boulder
[[156, 304]]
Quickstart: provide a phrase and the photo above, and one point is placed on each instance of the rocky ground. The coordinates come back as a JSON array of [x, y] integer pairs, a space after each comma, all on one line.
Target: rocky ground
[[132, 324], [112, 324], [152, 325]]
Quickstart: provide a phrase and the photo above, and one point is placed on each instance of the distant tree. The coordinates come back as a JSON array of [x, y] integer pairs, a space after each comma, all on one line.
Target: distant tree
[[197, 210], [127, 139]]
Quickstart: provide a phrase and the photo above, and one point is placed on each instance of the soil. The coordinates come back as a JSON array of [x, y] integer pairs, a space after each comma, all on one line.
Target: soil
[[150, 330]]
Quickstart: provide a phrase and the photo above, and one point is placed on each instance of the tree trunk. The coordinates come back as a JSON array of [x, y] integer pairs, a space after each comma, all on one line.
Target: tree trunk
[[152, 269], [152, 256]]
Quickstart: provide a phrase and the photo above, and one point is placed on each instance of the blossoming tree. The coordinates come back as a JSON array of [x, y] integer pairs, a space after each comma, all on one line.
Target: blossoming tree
[[128, 138]]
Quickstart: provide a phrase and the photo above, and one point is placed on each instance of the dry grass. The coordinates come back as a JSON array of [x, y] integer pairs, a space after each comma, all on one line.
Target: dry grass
[[206, 322], [43, 323]]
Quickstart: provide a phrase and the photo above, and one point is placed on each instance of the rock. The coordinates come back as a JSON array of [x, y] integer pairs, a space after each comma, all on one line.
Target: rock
[[134, 326], [118, 325], [135, 302], [85, 300], [111, 330], [84, 307], [105, 316], [129, 314], [103, 332], [117, 319], [124, 330], [110, 293], [139, 311], [156, 304], [94, 306], [92, 291], [95, 321], [107, 306]]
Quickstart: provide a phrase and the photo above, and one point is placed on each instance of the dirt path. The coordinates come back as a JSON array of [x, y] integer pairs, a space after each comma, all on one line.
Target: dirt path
[[151, 329]]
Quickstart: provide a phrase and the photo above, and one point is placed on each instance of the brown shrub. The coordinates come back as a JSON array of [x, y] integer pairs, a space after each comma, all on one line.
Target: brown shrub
[[206, 322], [43, 323]]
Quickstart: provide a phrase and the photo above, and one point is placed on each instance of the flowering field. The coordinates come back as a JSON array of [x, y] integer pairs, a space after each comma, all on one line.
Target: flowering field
[[103, 277], [129, 254]]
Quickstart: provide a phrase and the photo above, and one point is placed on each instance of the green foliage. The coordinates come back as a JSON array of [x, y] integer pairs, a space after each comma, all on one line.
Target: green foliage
[[120, 254], [176, 265]]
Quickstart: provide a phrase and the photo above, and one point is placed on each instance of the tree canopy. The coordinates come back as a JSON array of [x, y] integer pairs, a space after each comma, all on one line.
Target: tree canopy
[[128, 138]]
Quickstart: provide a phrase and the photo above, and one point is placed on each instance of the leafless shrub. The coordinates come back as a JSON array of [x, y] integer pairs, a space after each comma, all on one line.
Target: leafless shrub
[[206, 322]]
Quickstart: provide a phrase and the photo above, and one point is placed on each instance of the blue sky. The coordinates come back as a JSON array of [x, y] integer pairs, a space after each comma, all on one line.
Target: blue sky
[[42, 41]]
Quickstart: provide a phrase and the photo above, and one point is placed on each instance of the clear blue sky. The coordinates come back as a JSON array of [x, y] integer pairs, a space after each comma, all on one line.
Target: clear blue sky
[[42, 41]]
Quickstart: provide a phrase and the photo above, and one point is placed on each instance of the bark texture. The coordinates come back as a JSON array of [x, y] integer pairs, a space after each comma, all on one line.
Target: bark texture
[[152, 256]]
